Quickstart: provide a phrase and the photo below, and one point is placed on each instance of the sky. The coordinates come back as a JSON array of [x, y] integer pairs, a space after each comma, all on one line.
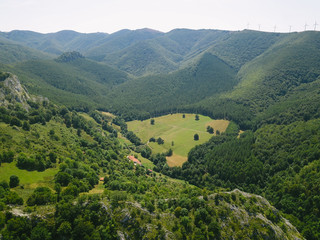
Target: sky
[[109, 16]]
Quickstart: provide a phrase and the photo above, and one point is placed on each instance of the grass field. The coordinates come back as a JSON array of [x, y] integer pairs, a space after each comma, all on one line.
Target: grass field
[[28, 179], [177, 133]]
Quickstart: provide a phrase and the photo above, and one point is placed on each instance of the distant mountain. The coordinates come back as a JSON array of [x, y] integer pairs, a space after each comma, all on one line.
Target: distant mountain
[[11, 52], [244, 71], [164, 53], [120, 40]]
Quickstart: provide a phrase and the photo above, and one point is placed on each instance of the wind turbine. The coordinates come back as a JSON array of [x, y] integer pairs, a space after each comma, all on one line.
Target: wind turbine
[[305, 26], [274, 28], [290, 29], [259, 27], [315, 25]]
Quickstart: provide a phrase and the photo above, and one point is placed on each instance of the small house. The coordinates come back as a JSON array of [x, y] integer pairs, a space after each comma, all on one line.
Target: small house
[[134, 160]]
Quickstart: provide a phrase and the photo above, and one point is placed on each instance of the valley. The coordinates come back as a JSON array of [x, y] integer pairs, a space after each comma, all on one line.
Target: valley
[[226, 125]]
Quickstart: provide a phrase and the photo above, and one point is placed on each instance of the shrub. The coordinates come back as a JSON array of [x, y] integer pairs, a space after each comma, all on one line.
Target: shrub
[[14, 181], [40, 196]]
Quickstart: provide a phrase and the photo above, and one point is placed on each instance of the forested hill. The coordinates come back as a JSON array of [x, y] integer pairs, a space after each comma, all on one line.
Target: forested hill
[[267, 84], [65, 175], [245, 76]]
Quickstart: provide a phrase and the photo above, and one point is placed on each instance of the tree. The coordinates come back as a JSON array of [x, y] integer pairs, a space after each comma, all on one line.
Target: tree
[[197, 117], [160, 141], [40, 196], [210, 129], [26, 126], [196, 137], [15, 122], [14, 181], [63, 178], [218, 132], [183, 116], [53, 157], [152, 121], [57, 188], [169, 153]]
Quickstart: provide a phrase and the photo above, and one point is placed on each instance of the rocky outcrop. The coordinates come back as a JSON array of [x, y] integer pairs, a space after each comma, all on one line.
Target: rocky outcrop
[[252, 211], [11, 92]]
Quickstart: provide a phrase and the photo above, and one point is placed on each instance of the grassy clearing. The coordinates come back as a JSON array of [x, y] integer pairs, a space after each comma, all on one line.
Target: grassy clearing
[[98, 189], [109, 115], [177, 133], [240, 132], [28, 179], [176, 160], [145, 162]]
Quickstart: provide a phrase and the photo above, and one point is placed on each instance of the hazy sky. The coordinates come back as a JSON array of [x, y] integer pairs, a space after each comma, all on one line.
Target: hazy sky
[[164, 15]]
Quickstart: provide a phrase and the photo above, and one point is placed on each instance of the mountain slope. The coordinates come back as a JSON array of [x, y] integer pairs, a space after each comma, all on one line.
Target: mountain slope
[[286, 65], [238, 48], [169, 92], [54, 43], [271, 78], [164, 53], [57, 158], [78, 83], [143, 58], [11, 52], [120, 40]]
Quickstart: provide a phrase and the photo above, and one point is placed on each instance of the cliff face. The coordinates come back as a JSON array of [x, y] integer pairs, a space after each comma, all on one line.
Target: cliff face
[[11, 92]]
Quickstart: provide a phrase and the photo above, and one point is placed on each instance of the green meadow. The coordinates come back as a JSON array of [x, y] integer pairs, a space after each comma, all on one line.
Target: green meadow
[[28, 179], [177, 133]]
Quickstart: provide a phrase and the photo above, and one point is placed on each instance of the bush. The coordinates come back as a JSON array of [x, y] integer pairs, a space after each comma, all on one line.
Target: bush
[[63, 178], [14, 181], [196, 137], [40, 196]]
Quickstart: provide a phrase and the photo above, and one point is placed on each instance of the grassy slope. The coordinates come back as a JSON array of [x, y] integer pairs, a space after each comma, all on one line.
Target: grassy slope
[[175, 128]]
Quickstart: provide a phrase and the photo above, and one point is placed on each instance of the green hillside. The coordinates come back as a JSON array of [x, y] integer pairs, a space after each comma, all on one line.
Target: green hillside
[[239, 48], [55, 43], [120, 40], [143, 58], [266, 84], [165, 93], [11, 52], [164, 53], [79, 83], [50, 165], [279, 69]]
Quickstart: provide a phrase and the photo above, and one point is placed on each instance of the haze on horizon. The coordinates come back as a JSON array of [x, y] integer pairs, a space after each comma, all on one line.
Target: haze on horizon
[[113, 15]]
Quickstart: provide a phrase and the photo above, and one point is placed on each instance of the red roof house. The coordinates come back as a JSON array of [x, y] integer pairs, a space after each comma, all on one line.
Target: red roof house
[[134, 160]]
